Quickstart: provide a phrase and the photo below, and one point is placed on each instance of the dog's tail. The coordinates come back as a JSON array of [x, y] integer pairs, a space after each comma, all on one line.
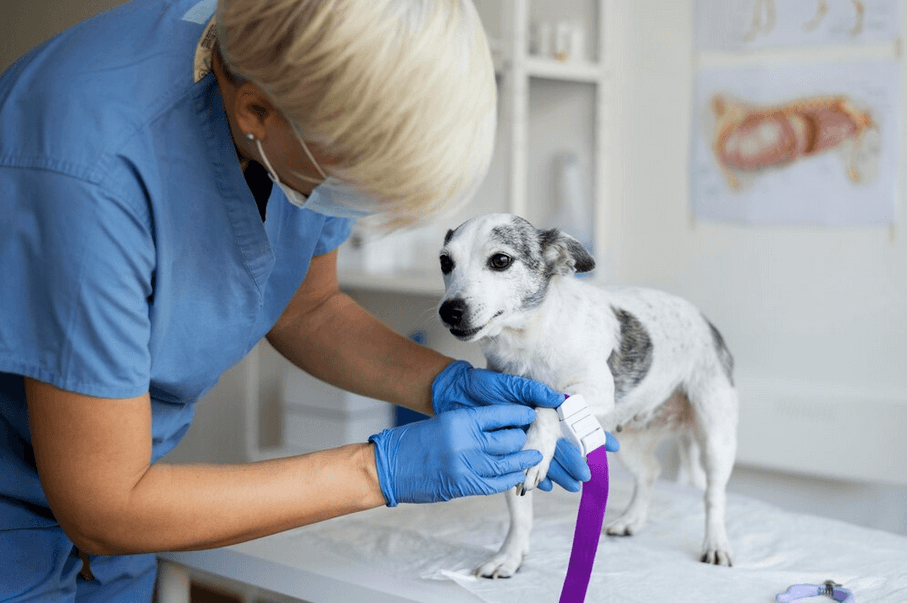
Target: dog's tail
[[724, 355]]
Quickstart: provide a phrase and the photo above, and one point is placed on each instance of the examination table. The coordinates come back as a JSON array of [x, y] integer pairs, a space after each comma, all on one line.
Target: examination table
[[426, 553]]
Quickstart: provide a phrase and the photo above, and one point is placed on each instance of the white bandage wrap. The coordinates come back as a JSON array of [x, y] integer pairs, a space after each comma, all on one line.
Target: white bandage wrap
[[580, 426]]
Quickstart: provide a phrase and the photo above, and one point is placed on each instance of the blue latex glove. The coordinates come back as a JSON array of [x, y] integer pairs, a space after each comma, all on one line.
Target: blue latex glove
[[457, 453], [460, 385], [568, 468]]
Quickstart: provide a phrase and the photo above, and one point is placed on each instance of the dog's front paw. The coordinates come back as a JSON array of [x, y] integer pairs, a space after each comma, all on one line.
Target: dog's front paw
[[534, 476], [717, 553], [502, 565], [542, 436], [627, 524]]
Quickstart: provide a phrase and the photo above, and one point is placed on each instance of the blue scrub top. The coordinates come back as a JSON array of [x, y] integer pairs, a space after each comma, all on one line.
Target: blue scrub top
[[133, 255]]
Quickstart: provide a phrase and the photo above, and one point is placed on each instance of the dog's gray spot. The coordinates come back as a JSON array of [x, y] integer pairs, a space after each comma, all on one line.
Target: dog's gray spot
[[724, 355], [632, 359], [549, 237], [523, 238], [449, 236], [538, 296]]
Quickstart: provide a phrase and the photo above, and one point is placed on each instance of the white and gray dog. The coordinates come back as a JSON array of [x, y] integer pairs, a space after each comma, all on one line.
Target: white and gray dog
[[649, 365]]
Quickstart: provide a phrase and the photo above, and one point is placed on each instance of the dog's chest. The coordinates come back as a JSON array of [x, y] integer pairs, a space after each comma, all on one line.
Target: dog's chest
[[556, 357], [535, 364]]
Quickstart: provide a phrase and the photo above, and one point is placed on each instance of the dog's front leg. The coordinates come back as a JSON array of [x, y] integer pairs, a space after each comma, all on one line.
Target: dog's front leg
[[598, 394], [543, 436], [511, 554]]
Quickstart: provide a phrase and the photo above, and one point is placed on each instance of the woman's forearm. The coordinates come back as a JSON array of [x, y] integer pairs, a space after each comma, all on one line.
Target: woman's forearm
[[327, 334], [184, 507], [344, 345], [92, 456]]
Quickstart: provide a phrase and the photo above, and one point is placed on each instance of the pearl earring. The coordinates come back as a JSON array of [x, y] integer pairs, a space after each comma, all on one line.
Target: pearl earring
[[250, 136]]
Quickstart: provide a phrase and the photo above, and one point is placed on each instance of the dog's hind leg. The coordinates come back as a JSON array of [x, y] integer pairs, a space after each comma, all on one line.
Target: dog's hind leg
[[716, 431], [510, 557], [690, 466], [637, 454]]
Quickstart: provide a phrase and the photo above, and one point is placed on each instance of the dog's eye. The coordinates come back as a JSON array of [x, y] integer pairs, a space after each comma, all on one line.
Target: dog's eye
[[500, 261], [446, 264]]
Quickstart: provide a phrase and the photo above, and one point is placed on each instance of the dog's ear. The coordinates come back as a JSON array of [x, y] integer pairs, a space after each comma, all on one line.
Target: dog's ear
[[563, 253]]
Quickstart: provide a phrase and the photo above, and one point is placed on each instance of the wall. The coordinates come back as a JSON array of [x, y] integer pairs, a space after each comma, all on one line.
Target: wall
[[823, 306]]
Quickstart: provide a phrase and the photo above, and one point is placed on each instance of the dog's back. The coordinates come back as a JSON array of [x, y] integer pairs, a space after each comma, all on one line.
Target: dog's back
[[652, 343], [665, 345]]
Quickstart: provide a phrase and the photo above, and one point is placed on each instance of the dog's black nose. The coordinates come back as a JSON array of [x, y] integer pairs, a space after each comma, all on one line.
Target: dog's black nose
[[452, 311]]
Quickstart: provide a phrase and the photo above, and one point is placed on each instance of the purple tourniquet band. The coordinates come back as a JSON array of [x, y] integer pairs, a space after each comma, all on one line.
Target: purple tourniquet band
[[588, 528]]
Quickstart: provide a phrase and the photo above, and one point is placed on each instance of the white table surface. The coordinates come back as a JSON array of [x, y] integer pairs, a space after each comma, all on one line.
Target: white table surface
[[279, 565], [426, 553]]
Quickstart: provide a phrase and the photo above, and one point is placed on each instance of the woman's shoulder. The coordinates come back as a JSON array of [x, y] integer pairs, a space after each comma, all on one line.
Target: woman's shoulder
[[88, 89]]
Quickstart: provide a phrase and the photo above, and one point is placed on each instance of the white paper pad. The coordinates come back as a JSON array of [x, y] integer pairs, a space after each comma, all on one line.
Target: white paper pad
[[772, 550]]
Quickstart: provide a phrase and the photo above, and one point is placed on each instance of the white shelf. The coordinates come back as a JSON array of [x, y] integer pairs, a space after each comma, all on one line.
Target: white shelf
[[549, 68], [568, 71], [413, 283]]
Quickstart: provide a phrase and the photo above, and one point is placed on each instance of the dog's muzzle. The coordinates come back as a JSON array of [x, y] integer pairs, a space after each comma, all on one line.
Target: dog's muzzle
[[452, 312]]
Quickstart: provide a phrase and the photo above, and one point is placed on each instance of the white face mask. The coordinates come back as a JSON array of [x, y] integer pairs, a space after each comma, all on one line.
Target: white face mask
[[329, 198]]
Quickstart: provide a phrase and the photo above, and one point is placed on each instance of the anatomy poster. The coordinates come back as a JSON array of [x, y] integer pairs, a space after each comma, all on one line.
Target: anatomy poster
[[812, 144], [723, 25]]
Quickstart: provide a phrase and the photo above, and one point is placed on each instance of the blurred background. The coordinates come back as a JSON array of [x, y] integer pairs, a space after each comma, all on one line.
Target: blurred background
[[609, 129]]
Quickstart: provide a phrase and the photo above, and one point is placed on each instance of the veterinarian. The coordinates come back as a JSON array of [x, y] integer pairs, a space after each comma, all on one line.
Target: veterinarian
[[176, 178]]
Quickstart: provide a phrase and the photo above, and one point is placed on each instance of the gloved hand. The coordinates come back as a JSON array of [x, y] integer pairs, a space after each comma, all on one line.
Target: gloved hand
[[457, 453], [460, 385], [568, 468]]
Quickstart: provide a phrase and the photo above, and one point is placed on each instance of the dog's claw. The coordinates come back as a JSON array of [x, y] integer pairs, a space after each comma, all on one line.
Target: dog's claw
[[500, 566], [628, 524], [618, 530], [714, 557]]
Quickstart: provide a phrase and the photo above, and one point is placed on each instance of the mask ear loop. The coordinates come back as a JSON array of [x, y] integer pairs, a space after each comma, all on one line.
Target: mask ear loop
[[273, 173], [312, 159]]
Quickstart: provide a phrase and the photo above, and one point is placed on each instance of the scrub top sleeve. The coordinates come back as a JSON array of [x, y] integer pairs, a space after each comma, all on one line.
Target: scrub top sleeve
[[78, 265], [334, 232]]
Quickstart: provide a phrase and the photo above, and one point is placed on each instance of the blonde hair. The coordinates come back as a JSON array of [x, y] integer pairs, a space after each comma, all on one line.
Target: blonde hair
[[400, 92]]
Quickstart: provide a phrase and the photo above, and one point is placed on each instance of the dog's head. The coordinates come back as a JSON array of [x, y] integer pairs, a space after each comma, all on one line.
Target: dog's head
[[497, 270]]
